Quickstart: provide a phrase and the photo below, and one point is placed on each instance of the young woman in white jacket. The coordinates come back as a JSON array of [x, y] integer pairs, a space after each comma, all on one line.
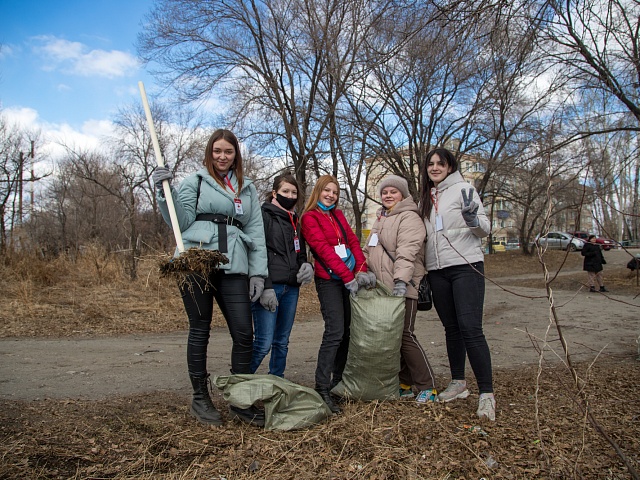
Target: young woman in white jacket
[[455, 221]]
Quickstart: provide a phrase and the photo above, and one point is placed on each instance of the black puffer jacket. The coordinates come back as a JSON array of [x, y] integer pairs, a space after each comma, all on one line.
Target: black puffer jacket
[[593, 257], [284, 262]]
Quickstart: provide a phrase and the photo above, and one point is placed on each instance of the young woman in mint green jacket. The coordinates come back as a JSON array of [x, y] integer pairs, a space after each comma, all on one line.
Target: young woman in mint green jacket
[[218, 209]]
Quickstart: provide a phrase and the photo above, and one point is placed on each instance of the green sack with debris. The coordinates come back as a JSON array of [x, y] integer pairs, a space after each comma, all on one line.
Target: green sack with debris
[[287, 405], [373, 361]]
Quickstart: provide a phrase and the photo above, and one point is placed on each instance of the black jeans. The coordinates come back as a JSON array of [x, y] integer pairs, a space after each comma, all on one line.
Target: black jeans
[[336, 312], [231, 292], [458, 295]]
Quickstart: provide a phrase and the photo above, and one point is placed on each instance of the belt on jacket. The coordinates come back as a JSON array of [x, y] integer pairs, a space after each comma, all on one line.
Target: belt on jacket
[[222, 221]]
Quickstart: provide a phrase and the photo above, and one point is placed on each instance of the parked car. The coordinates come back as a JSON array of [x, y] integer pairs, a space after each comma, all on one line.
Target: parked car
[[607, 244], [560, 240], [512, 244]]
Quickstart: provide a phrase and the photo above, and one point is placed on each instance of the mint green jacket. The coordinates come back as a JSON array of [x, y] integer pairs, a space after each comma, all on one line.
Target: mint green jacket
[[247, 251]]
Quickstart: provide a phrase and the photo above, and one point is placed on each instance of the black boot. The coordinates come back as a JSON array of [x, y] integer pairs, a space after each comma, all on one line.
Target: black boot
[[326, 397], [602, 289], [592, 289], [252, 415], [201, 406]]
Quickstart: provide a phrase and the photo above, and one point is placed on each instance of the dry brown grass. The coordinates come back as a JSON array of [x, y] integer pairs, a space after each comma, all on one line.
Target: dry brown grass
[[94, 296], [153, 437]]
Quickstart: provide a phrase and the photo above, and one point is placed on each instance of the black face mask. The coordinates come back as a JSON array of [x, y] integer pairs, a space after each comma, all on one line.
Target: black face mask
[[286, 203]]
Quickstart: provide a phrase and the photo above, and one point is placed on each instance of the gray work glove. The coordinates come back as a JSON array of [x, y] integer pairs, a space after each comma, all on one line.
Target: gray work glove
[[469, 209], [269, 300], [352, 286], [256, 286], [399, 288], [160, 174], [305, 274], [366, 279]]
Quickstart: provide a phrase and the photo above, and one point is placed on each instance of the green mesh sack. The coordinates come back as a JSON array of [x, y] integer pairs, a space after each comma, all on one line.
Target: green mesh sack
[[373, 362], [287, 405]]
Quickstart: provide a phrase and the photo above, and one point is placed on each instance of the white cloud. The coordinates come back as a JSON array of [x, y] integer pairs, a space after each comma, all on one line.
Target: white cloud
[[63, 87], [56, 136], [76, 58], [6, 51]]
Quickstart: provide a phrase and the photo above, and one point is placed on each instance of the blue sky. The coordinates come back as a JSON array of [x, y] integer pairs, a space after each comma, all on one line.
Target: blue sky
[[67, 65]]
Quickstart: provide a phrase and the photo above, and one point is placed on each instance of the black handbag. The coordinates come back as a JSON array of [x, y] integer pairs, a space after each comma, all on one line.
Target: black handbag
[[425, 302]]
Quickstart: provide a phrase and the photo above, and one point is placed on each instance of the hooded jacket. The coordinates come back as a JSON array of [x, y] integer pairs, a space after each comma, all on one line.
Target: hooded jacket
[[284, 261], [322, 234], [247, 251], [593, 257], [402, 233], [456, 243]]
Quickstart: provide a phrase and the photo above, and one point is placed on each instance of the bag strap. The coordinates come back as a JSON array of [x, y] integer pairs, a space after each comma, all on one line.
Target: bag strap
[[198, 192]]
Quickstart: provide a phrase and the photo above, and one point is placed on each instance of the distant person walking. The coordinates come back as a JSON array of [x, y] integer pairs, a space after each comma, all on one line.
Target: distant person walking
[[593, 261], [218, 209], [455, 221]]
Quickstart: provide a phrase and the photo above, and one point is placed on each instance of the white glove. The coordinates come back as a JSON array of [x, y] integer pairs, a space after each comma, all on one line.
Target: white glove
[[160, 174], [352, 286], [256, 286], [305, 274], [269, 300], [366, 279], [399, 288]]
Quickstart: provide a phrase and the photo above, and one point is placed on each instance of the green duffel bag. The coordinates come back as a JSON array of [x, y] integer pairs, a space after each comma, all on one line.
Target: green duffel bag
[[373, 361]]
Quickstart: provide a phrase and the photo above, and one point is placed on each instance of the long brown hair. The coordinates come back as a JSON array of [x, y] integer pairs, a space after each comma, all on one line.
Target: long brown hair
[[426, 184], [322, 182], [227, 135]]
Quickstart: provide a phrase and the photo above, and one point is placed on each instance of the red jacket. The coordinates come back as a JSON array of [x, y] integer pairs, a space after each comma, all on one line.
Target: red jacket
[[321, 234]]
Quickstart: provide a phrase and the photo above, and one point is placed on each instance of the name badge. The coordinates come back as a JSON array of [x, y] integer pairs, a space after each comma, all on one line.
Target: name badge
[[341, 250], [296, 244], [373, 240], [238, 204], [439, 225]]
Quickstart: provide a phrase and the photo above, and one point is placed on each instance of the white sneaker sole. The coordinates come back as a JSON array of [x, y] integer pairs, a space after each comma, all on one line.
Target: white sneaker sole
[[461, 395]]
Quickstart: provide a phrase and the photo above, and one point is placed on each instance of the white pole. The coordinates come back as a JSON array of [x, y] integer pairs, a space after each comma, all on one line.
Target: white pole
[[165, 183]]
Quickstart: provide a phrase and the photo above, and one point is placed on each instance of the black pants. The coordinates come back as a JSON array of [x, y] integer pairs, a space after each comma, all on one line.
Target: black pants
[[458, 295], [231, 292], [336, 312]]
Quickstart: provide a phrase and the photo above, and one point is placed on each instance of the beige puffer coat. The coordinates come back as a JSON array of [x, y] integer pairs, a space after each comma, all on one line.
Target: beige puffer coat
[[402, 232]]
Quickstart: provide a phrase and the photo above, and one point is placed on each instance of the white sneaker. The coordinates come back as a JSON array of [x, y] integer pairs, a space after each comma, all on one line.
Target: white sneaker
[[487, 406], [456, 389]]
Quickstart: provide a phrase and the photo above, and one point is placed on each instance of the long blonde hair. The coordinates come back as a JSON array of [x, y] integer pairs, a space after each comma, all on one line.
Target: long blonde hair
[[322, 182], [237, 162]]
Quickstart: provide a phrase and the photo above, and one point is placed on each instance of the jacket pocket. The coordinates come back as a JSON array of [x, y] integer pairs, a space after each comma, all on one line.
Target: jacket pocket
[[247, 240], [197, 234]]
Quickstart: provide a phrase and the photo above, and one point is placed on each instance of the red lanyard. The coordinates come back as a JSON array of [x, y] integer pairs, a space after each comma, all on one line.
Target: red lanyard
[[226, 179], [434, 198], [294, 225], [335, 228]]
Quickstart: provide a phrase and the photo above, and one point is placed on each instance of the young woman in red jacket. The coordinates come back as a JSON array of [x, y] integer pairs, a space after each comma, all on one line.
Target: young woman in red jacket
[[340, 269]]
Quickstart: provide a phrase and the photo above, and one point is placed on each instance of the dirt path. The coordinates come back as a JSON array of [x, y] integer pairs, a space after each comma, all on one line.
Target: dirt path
[[94, 368]]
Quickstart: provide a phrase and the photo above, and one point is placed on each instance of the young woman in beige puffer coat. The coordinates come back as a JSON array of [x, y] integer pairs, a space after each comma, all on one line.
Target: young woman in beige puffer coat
[[395, 253]]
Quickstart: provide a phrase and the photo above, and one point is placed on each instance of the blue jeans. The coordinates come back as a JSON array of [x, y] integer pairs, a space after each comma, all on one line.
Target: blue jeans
[[458, 295], [272, 329]]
